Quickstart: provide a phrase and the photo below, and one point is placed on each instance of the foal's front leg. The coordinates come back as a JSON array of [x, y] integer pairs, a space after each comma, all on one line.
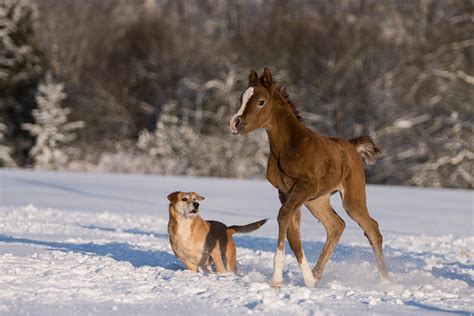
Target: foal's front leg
[[294, 238], [300, 192], [279, 257]]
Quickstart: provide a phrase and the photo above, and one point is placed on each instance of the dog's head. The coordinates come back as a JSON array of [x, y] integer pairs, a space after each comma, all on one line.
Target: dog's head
[[185, 203]]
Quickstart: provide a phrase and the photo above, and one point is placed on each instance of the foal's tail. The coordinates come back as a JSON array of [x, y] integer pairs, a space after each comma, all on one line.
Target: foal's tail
[[366, 148], [247, 228]]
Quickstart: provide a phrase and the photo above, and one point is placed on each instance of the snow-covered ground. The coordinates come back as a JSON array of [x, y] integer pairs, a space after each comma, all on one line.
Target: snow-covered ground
[[79, 243]]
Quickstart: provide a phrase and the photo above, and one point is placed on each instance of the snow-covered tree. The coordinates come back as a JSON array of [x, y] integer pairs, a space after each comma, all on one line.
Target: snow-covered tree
[[5, 151], [172, 142], [51, 128], [19, 59], [20, 69], [179, 149]]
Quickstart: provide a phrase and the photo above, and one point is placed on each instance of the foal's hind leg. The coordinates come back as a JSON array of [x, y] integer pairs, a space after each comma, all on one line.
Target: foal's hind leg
[[294, 239], [334, 226], [355, 205]]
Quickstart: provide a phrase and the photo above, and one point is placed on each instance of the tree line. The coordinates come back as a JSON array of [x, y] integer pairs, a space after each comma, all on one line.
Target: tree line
[[148, 86]]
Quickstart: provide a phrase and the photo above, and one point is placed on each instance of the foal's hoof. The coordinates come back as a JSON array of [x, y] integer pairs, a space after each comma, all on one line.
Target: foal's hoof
[[311, 283], [385, 279]]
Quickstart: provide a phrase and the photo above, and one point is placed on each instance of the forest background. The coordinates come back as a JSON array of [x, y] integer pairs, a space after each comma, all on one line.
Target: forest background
[[148, 86]]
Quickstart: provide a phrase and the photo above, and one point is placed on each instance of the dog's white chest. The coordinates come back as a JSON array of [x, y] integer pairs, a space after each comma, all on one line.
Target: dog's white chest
[[185, 245], [183, 231]]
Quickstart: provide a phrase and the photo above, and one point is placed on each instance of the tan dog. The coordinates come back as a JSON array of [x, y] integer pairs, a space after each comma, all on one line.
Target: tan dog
[[194, 240]]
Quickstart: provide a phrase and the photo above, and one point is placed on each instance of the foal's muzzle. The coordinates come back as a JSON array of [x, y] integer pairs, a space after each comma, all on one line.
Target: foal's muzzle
[[235, 125]]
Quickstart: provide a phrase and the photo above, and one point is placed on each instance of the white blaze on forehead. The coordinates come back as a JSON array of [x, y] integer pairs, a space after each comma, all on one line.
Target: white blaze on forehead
[[245, 99]]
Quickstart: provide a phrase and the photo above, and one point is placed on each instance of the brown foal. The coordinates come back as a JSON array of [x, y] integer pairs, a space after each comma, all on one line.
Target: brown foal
[[307, 168]]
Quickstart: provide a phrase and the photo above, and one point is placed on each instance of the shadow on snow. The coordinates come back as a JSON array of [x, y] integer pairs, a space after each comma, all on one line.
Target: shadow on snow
[[65, 188], [436, 309], [133, 231], [117, 251]]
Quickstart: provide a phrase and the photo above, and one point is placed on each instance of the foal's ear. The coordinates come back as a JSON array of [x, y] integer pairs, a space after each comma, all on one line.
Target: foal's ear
[[267, 77], [253, 78], [173, 197]]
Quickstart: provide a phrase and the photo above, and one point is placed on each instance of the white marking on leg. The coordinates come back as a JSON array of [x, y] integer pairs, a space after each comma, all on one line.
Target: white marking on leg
[[245, 99], [308, 277], [278, 263]]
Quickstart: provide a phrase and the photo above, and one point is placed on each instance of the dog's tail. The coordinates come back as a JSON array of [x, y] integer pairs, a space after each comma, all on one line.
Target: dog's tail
[[366, 148], [247, 228]]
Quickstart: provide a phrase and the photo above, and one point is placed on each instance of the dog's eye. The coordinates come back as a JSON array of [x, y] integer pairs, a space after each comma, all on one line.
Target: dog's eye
[[184, 199], [261, 102]]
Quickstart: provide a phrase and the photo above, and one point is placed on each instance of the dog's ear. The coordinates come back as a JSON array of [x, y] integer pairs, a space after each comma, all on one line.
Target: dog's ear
[[173, 197], [199, 197]]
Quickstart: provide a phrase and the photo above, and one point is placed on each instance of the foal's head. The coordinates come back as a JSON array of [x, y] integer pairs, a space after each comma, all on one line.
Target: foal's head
[[256, 108]]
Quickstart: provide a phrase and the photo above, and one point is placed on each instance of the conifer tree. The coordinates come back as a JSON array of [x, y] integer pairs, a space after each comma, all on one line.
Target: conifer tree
[[51, 129], [20, 69], [5, 151]]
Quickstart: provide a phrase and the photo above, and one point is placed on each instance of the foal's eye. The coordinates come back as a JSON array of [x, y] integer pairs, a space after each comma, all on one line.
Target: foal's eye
[[184, 199], [261, 102]]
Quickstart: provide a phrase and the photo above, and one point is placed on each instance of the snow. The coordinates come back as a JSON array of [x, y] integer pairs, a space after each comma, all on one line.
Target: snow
[[85, 243]]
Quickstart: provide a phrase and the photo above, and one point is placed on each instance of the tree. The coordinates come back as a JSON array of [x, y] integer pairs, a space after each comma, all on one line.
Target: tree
[[179, 149], [20, 68], [5, 151], [51, 129], [172, 142]]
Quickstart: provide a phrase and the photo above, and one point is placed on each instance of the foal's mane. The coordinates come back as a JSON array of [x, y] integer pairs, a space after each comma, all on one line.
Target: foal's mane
[[282, 90]]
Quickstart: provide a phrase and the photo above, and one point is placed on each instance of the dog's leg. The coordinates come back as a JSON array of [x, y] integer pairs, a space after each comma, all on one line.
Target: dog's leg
[[206, 265], [231, 254], [217, 257], [190, 265]]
